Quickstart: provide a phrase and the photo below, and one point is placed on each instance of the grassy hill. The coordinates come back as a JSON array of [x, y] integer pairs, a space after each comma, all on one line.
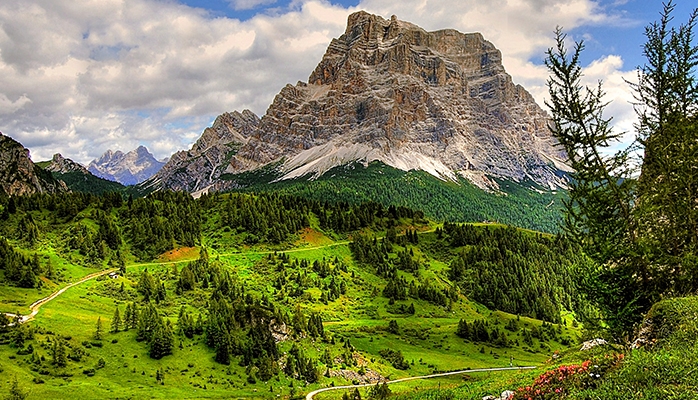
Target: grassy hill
[[243, 286]]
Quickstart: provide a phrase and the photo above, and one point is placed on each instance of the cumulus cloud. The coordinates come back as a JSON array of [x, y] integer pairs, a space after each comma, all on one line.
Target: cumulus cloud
[[84, 76], [81, 77]]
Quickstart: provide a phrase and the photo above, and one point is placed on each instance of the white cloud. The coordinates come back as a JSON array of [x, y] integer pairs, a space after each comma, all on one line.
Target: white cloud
[[79, 77], [83, 76]]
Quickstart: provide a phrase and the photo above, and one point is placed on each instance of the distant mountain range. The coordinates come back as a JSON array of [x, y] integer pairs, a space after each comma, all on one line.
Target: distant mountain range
[[385, 91], [126, 168]]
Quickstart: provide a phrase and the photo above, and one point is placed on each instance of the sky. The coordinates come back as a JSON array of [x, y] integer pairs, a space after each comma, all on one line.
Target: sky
[[79, 77]]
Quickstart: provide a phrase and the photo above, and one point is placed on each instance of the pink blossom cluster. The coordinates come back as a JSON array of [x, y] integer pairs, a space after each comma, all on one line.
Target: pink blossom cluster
[[556, 383]]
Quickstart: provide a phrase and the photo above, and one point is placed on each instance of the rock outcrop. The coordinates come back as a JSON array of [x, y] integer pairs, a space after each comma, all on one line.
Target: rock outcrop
[[62, 165], [389, 91], [126, 168], [19, 176]]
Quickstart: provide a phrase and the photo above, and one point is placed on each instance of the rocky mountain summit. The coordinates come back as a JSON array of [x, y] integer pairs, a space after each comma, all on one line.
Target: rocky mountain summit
[[19, 175], [61, 165], [387, 91], [126, 168]]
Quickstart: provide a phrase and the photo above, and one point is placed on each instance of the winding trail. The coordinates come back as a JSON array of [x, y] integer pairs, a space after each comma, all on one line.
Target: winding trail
[[35, 306], [312, 394]]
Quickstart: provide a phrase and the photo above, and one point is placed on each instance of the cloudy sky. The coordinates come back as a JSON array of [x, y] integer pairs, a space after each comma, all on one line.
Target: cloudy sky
[[82, 76]]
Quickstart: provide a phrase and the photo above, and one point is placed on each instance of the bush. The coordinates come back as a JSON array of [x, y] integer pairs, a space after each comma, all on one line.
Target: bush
[[395, 358]]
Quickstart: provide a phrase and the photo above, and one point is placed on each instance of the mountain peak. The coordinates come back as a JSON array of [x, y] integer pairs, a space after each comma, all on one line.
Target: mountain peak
[[19, 175], [126, 168], [388, 91]]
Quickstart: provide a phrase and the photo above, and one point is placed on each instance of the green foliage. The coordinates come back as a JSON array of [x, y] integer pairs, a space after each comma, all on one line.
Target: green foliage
[[644, 231], [162, 221], [379, 391], [16, 392], [395, 358], [517, 272], [88, 183], [19, 270], [458, 202]]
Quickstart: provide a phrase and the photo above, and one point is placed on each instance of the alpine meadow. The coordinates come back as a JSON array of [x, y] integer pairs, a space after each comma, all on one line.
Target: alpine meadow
[[408, 224]]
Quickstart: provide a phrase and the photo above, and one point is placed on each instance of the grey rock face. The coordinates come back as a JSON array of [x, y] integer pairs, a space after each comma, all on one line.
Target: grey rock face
[[19, 176], [63, 165], [390, 91], [126, 168]]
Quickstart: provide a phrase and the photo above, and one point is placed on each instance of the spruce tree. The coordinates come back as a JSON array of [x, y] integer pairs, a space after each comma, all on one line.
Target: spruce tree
[[16, 393], [116, 321], [98, 330], [642, 231], [59, 352]]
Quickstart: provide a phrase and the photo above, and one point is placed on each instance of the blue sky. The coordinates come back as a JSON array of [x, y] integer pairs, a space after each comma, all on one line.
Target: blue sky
[[80, 77]]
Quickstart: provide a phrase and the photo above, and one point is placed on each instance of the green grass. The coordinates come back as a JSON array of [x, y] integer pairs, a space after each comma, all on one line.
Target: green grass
[[427, 339]]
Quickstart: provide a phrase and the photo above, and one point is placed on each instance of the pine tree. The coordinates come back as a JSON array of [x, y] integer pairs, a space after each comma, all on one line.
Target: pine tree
[[16, 393], [59, 353], [116, 321], [98, 331]]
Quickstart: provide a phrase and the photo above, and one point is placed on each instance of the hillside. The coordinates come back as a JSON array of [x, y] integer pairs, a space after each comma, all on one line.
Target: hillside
[[285, 295], [524, 204], [77, 178]]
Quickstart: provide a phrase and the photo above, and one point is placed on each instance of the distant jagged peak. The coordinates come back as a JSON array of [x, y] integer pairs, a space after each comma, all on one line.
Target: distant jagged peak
[[128, 168]]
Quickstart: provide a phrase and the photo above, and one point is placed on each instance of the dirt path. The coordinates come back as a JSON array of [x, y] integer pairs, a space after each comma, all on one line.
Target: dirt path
[[35, 306], [312, 394]]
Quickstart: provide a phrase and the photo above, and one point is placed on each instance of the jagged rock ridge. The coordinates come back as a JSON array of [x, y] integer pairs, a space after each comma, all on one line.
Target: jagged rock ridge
[[19, 176], [389, 91], [126, 168], [62, 165]]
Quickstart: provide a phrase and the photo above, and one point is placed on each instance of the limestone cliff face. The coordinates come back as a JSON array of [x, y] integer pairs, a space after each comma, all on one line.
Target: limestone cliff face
[[19, 176], [390, 91]]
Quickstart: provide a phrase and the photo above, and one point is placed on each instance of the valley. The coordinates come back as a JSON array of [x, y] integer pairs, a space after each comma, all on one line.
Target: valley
[[307, 273]]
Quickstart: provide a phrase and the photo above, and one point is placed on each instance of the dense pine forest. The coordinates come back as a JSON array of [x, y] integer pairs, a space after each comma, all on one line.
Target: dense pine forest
[[520, 204]]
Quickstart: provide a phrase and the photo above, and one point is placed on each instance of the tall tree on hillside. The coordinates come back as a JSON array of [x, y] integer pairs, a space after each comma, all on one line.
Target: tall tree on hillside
[[98, 330], [116, 321], [642, 231]]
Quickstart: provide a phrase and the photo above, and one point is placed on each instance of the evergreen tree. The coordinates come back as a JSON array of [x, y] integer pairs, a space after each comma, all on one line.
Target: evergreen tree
[[116, 321], [16, 393], [59, 352], [98, 330], [644, 232], [147, 286]]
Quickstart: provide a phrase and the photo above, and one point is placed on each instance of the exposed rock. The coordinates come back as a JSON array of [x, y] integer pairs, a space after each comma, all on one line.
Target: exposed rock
[[210, 156], [590, 344], [62, 165], [19, 176], [126, 168], [390, 91]]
